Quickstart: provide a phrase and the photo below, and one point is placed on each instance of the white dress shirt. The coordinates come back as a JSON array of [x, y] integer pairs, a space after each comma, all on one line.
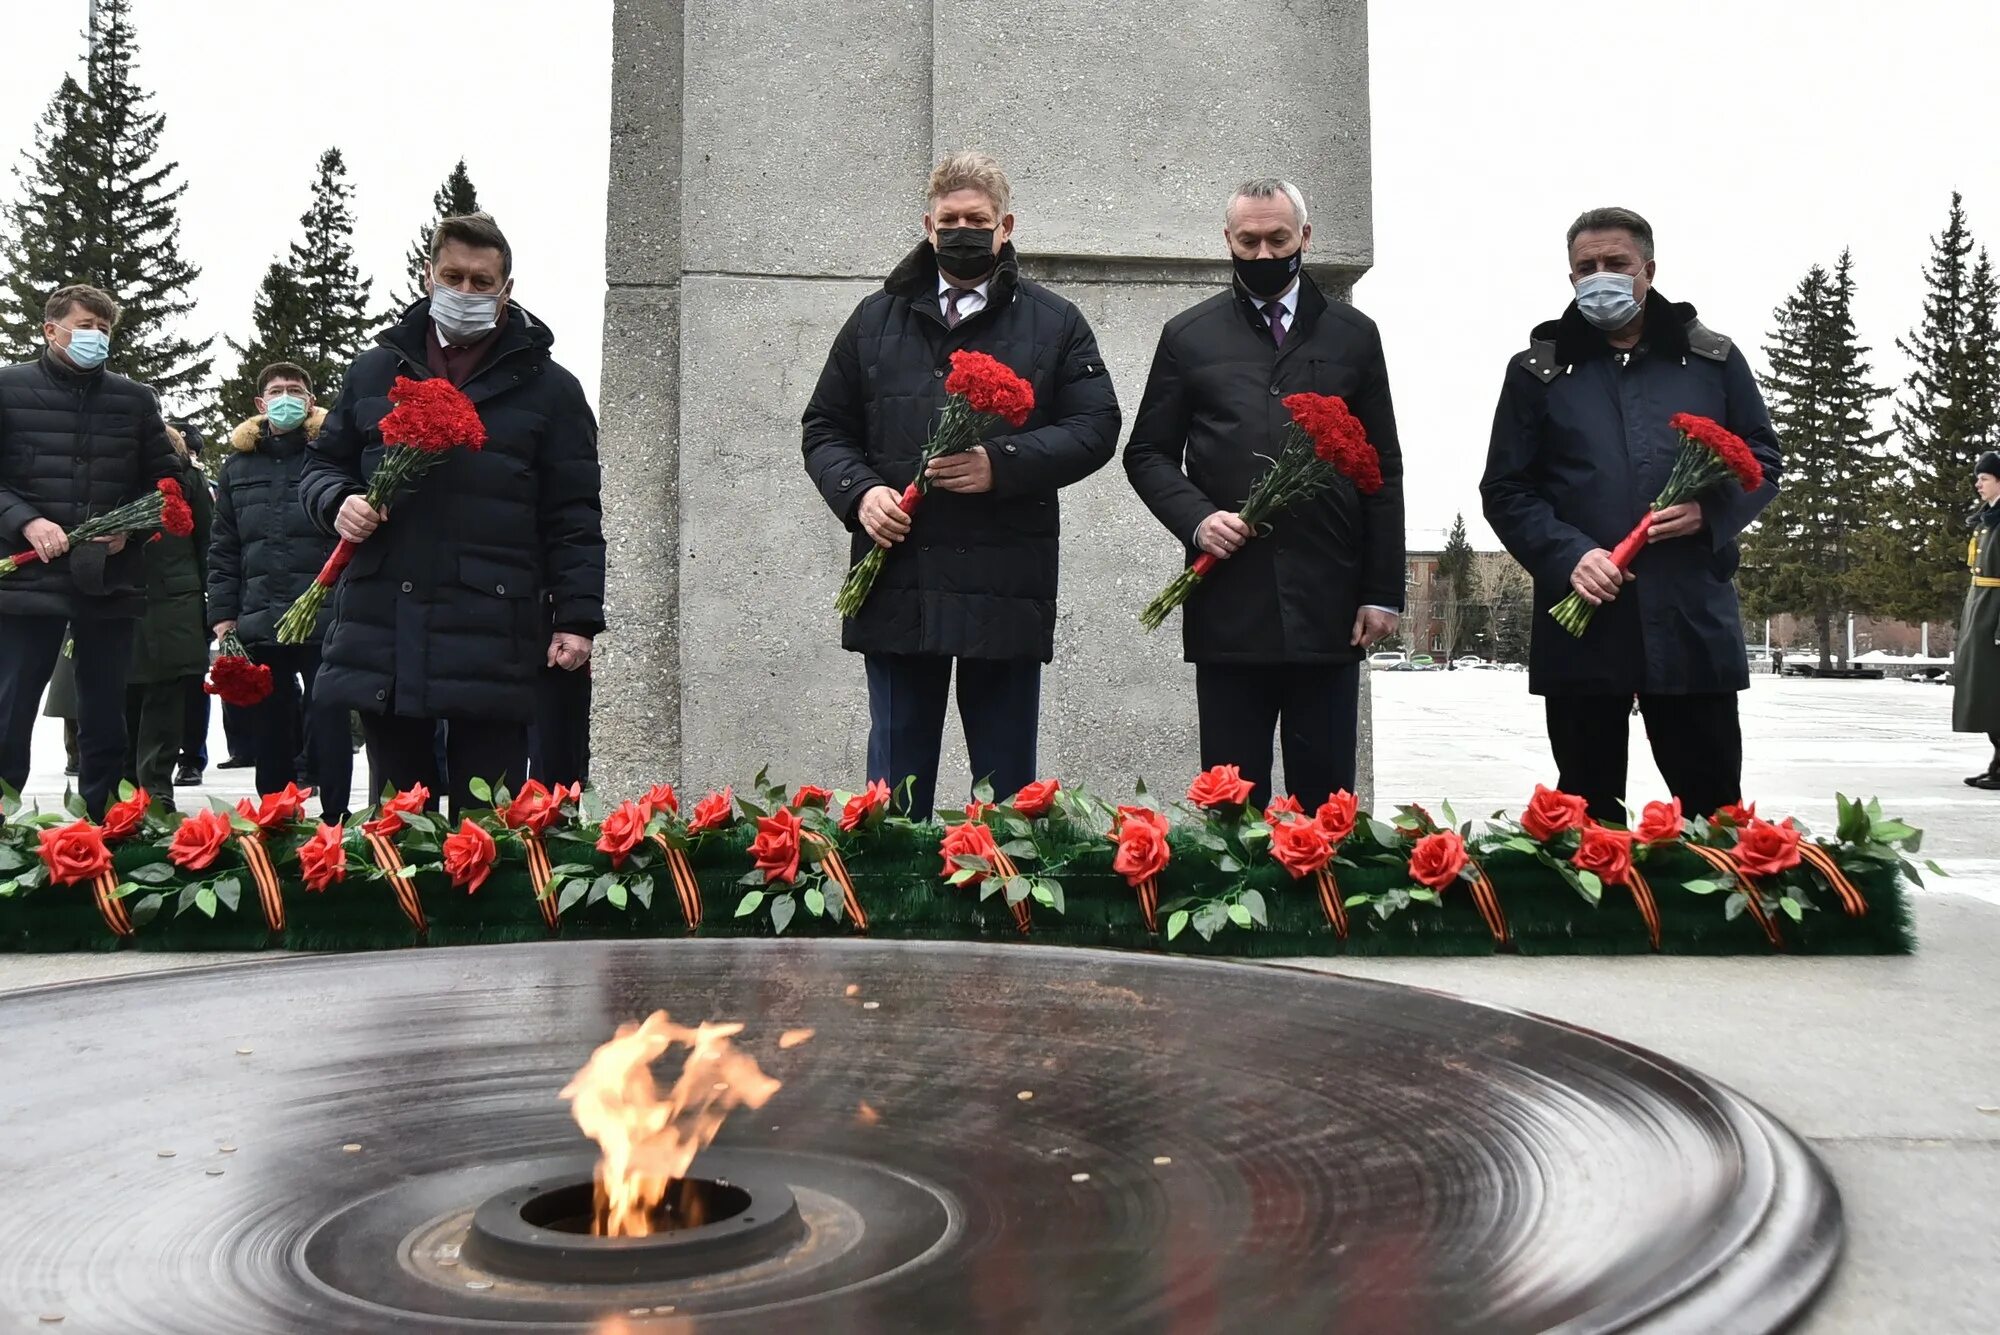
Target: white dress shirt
[[970, 299]]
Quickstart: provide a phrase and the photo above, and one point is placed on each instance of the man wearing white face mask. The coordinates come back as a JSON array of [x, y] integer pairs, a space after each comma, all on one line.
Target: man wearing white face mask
[[489, 570], [76, 440], [1581, 445]]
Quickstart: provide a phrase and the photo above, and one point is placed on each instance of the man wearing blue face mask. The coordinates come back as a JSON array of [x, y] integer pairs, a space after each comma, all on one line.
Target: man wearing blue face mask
[[75, 440], [1581, 445]]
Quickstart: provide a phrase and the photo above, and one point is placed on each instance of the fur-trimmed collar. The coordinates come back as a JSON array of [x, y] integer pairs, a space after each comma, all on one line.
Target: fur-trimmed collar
[[1577, 340], [245, 437], [916, 274]]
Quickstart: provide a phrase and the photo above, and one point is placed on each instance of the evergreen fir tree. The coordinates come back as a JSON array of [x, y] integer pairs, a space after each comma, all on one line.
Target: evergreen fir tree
[[1945, 411], [94, 205], [1809, 553], [1510, 600], [454, 198], [1454, 579]]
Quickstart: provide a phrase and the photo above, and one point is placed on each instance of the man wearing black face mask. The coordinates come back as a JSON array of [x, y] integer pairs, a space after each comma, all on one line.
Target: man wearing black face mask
[[1277, 631], [1581, 446], [971, 576]]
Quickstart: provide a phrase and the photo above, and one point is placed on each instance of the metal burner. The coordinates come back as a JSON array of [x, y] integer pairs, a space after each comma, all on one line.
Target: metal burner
[[540, 1230]]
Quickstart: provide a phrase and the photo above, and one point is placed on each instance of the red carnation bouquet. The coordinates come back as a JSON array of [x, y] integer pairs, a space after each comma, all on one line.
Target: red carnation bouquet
[[164, 509], [1323, 443], [429, 419], [981, 392], [1710, 454], [234, 678]]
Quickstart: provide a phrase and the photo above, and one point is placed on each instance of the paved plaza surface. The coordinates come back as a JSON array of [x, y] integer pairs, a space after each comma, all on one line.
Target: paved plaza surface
[[1887, 1066]]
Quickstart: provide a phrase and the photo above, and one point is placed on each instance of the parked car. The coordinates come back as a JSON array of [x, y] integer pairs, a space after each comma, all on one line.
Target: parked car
[[1422, 660], [1469, 661], [1387, 659]]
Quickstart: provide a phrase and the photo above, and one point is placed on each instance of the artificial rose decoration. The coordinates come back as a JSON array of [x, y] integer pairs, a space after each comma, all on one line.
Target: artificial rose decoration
[[1661, 823], [1336, 816], [1438, 859], [621, 832], [275, 809], [968, 839], [776, 847], [123, 819], [1551, 812], [714, 811], [1764, 849], [389, 821], [1736, 814], [661, 797], [323, 858], [864, 804], [1037, 799], [1300, 847], [536, 807], [811, 795], [1607, 853], [469, 854], [1142, 854], [74, 852], [198, 840], [1282, 808], [1220, 786]]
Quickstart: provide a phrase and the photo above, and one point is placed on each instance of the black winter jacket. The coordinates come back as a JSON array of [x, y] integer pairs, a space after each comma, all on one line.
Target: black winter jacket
[[440, 614], [171, 640], [74, 444], [977, 575], [1212, 418], [1580, 449], [267, 549]]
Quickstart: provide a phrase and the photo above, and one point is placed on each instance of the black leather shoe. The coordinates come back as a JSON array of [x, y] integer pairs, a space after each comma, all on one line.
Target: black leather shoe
[[1989, 781], [234, 763], [187, 776]]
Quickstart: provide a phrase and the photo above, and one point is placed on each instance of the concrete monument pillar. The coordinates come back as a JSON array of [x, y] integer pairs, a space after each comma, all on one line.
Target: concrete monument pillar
[[767, 169]]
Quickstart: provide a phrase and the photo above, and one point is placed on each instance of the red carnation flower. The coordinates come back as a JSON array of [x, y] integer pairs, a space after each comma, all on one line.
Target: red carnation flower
[[123, 819], [198, 840], [863, 805], [431, 415], [1725, 444], [776, 847], [1220, 786], [168, 486], [176, 517], [323, 858], [714, 811], [238, 681], [990, 387]]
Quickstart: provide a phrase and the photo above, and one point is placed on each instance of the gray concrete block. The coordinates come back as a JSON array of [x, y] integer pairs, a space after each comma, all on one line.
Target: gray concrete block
[[1124, 127], [642, 240], [808, 134]]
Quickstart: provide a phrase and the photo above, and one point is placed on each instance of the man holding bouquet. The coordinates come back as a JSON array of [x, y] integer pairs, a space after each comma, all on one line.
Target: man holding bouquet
[[968, 575], [440, 613], [1584, 440], [76, 441], [1279, 623]]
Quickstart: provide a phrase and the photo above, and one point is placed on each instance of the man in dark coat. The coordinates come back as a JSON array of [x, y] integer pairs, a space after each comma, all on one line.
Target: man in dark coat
[[971, 576], [170, 643], [1278, 629], [1581, 447], [76, 440], [266, 552], [440, 614], [1975, 673]]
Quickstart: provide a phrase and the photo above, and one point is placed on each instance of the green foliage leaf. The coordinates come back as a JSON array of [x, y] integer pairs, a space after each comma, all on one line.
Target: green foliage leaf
[[642, 890], [617, 895], [1592, 885], [748, 904], [1733, 909], [1703, 887], [1354, 901], [1791, 907], [481, 789], [1424, 896], [572, 892], [815, 901], [146, 908], [783, 907], [983, 791], [153, 873], [1018, 889], [1177, 924], [1239, 915], [230, 891], [1021, 850], [204, 899], [11, 859], [1382, 833], [1228, 863], [1253, 901], [1043, 895], [602, 886]]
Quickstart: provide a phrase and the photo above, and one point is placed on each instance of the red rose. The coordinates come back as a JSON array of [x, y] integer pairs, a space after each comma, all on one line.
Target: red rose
[[1222, 786], [1661, 823], [431, 415], [1300, 847], [990, 387], [323, 858], [622, 830], [776, 847], [1142, 844], [1437, 859], [1037, 799], [968, 839], [864, 804], [1337, 815], [469, 854], [1551, 813], [661, 797], [535, 807], [1281, 808], [197, 841], [276, 808], [123, 819], [811, 795], [714, 811], [75, 852], [1736, 814], [1606, 852], [1764, 849], [388, 821]]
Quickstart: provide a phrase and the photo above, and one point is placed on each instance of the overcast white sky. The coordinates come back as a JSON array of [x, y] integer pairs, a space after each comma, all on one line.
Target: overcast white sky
[[1759, 136]]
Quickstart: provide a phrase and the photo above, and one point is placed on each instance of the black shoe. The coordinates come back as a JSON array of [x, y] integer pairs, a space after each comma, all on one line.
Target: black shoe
[[233, 763], [1989, 781], [187, 776]]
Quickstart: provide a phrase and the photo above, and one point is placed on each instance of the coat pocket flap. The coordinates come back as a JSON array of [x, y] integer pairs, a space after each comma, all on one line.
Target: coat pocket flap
[[498, 578]]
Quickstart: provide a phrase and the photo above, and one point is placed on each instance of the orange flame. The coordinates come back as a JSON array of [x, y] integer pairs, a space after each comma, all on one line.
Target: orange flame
[[647, 1141]]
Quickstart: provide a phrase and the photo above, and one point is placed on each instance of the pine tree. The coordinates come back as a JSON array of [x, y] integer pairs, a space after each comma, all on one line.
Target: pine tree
[[94, 206], [1945, 412], [1810, 552], [454, 198], [1454, 577], [1511, 603]]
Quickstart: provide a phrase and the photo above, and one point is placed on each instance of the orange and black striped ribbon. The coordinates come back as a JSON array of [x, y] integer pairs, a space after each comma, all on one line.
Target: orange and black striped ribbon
[[837, 869], [1329, 900], [686, 889], [104, 890], [1149, 903], [542, 877], [391, 863], [1822, 862], [1722, 862], [1488, 902], [258, 859], [1649, 909], [1023, 919]]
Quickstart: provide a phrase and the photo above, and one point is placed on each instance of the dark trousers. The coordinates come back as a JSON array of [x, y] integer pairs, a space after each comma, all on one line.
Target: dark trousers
[[287, 720], [403, 752], [1697, 743], [155, 726], [29, 646], [194, 725], [559, 739], [1312, 710], [999, 702]]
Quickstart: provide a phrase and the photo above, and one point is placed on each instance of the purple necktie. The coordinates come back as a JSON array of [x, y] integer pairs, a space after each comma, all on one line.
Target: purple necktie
[[1274, 311], [951, 316]]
